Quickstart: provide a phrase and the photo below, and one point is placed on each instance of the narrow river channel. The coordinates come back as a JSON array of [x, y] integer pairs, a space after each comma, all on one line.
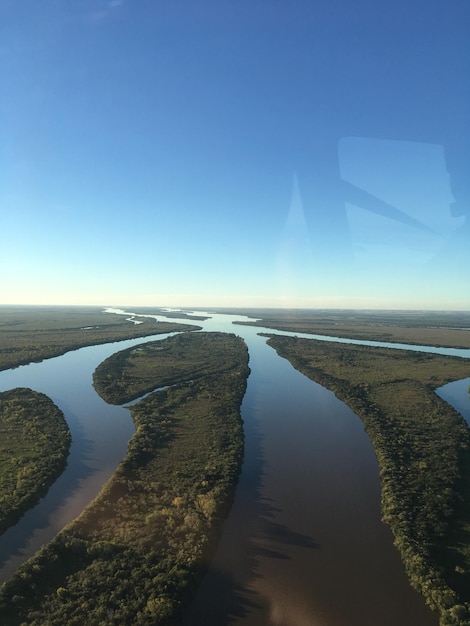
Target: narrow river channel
[[303, 545]]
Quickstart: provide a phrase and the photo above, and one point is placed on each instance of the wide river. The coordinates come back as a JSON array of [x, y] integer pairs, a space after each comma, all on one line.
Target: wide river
[[303, 544]]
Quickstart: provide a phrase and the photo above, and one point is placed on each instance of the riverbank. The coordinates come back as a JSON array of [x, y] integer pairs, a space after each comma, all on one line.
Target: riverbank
[[136, 553], [422, 446], [32, 334], [34, 445], [427, 328]]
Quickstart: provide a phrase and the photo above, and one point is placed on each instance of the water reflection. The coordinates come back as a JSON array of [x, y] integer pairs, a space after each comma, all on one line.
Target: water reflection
[[457, 394]]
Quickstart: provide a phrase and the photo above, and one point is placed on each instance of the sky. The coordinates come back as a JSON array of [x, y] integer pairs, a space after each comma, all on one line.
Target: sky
[[258, 153]]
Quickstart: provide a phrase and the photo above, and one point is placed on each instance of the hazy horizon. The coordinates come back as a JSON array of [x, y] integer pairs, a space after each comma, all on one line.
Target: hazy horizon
[[228, 307]]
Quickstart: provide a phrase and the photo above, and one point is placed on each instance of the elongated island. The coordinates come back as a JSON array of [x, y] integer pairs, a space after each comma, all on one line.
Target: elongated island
[[136, 553]]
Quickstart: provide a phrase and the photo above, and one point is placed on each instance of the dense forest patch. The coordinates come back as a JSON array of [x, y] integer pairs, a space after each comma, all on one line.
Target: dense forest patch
[[34, 444], [423, 448], [136, 553]]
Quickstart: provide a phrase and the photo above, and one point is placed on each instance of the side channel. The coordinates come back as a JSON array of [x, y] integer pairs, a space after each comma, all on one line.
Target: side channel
[[100, 433]]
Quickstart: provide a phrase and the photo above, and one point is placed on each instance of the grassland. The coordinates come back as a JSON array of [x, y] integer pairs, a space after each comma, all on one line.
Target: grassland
[[423, 449], [136, 553], [31, 334], [435, 328], [34, 444]]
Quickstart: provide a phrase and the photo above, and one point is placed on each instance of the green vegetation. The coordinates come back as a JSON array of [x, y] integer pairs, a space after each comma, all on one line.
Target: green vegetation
[[31, 334], [132, 373], [434, 328], [423, 449], [136, 553], [34, 444]]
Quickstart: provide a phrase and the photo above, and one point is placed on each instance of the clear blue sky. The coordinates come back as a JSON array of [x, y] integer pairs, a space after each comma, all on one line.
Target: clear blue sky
[[250, 153]]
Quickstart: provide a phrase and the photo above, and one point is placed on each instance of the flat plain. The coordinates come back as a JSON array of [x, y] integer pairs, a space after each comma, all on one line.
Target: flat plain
[[33, 333], [428, 328]]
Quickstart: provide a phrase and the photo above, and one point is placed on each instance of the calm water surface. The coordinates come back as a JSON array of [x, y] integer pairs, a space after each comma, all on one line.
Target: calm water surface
[[100, 433], [303, 545]]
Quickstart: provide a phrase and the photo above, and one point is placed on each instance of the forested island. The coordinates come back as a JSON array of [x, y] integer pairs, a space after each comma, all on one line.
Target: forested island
[[423, 449], [34, 445], [135, 555]]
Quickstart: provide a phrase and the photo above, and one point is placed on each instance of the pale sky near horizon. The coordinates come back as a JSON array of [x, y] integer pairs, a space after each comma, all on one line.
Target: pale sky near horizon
[[219, 153]]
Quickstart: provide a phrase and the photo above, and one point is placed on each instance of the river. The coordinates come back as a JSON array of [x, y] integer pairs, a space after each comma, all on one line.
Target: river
[[303, 545]]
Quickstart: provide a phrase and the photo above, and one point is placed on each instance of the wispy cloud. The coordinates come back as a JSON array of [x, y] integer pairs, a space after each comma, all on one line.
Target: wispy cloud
[[106, 10]]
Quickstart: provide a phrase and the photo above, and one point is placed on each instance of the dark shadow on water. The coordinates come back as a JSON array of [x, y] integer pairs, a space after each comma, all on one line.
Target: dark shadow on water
[[284, 535], [226, 592]]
